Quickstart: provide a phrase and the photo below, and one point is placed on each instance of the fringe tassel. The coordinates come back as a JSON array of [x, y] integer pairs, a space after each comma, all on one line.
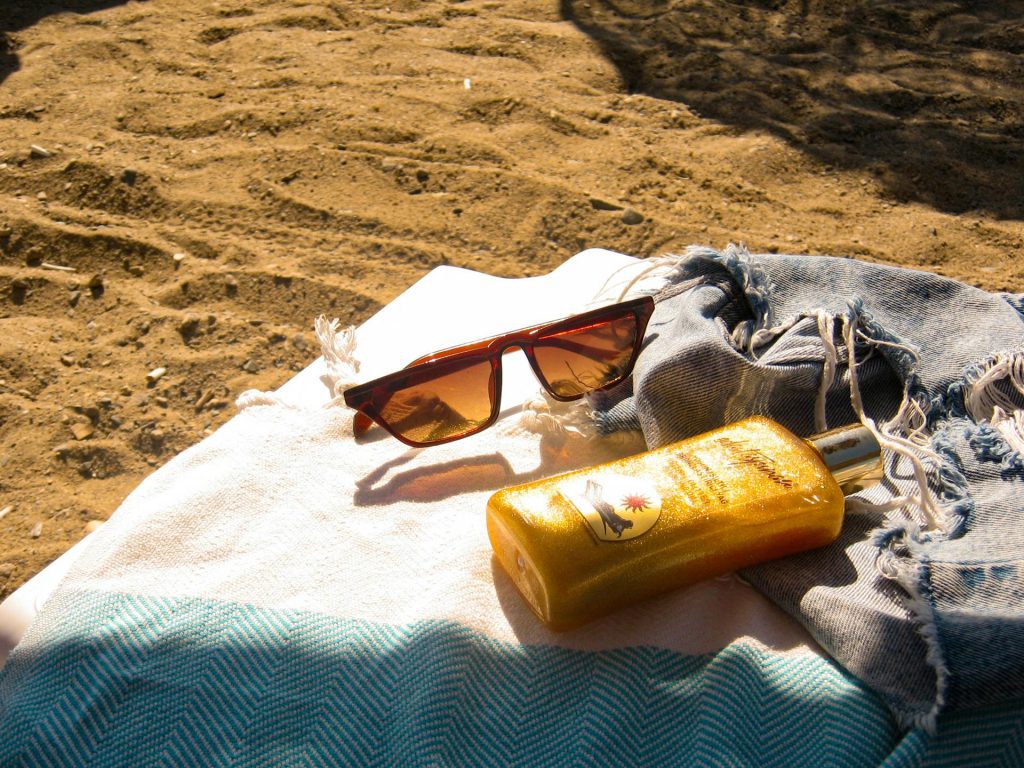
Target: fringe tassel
[[924, 500], [659, 270], [338, 349], [827, 330], [984, 401], [544, 415], [253, 397]]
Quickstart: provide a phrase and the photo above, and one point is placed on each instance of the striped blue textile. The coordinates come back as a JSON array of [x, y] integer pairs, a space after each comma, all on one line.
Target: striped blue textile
[[136, 681]]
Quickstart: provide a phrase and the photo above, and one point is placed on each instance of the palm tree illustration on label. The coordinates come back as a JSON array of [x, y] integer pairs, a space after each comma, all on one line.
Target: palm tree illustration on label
[[616, 507]]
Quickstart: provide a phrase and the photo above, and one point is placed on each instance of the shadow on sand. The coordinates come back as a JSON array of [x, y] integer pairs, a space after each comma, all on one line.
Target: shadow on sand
[[16, 15], [927, 95]]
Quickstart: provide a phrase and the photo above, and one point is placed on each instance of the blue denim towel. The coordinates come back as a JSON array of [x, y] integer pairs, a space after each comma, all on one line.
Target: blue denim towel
[[922, 596]]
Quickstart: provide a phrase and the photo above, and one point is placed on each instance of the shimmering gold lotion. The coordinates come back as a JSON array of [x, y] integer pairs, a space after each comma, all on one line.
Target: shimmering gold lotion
[[584, 543]]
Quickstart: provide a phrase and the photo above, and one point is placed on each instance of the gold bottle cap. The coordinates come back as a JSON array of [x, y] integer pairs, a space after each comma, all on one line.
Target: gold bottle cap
[[852, 454]]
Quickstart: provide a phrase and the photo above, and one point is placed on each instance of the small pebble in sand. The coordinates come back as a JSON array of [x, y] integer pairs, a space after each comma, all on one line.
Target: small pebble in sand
[[203, 399], [189, 326], [37, 530], [631, 217], [599, 204], [82, 431]]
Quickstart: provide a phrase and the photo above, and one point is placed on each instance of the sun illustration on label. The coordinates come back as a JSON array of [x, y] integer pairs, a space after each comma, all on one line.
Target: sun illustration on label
[[616, 507], [634, 502]]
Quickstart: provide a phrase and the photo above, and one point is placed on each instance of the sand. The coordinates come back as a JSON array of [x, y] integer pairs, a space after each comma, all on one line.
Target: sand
[[186, 185]]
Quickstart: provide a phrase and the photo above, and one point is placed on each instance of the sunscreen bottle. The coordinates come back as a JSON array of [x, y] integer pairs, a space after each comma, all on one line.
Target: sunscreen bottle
[[584, 543]]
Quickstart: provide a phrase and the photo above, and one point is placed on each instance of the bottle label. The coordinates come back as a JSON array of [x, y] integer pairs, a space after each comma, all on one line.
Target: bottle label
[[742, 454], [616, 507]]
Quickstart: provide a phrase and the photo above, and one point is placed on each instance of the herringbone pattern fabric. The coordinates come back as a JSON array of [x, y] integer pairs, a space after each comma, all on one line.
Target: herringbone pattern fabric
[[185, 682]]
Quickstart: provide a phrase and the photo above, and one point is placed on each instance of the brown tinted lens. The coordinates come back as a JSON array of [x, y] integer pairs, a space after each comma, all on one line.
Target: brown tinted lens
[[445, 402], [574, 361]]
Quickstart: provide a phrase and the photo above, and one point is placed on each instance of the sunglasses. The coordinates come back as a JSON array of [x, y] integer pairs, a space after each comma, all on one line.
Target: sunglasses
[[456, 392]]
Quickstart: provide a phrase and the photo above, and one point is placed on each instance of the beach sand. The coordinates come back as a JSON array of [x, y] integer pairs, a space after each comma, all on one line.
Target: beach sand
[[185, 185]]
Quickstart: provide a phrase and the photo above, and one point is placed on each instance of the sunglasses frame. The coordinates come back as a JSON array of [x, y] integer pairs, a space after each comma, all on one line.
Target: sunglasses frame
[[361, 397]]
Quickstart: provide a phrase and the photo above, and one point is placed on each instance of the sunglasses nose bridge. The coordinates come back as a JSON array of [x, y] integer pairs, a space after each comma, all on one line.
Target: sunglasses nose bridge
[[522, 343], [508, 347]]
